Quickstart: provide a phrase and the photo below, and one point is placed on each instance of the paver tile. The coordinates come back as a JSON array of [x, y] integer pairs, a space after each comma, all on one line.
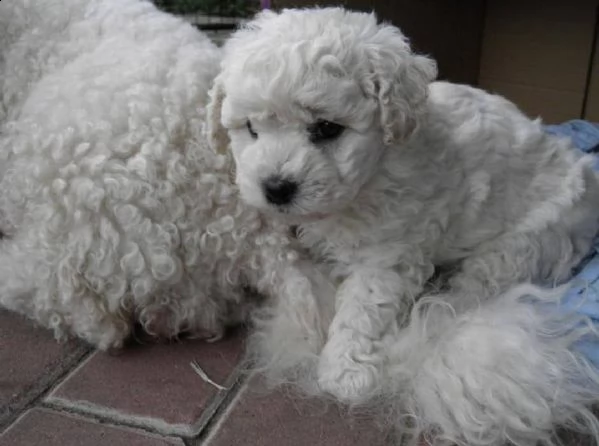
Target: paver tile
[[151, 385], [40, 427], [260, 418], [30, 361]]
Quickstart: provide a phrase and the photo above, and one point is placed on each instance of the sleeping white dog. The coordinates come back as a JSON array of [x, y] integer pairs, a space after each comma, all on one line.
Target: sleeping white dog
[[113, 207], [336, 126]]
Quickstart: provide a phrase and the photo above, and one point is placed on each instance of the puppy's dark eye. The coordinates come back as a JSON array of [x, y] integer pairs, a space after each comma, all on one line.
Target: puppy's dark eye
[[251, 130], [322, 131]]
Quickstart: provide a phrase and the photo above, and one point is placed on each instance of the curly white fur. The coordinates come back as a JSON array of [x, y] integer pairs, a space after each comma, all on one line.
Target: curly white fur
[[420, 176], [113, 206], [506, 372]]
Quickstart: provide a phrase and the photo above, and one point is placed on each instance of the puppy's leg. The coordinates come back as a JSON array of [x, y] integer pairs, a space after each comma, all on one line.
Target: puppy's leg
[[368, 305], [290, 329]]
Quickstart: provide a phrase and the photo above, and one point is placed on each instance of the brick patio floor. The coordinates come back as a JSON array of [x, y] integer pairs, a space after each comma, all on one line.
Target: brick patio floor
[[68, 395]]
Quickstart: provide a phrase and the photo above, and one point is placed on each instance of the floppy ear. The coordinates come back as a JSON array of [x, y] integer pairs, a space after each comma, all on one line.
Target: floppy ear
[[217, 135], [398, 80]]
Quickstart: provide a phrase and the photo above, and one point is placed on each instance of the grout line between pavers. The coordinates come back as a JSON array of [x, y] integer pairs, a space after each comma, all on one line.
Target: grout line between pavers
[[221, 411], [31, 397], [87, 419], [74, 370], [105, 415]]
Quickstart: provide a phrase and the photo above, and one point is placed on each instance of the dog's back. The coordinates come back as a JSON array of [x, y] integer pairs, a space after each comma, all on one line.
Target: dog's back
[[522, 179], [33, 37]]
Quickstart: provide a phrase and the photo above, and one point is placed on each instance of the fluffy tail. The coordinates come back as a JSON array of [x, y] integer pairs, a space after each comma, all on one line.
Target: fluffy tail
[[508, 372]]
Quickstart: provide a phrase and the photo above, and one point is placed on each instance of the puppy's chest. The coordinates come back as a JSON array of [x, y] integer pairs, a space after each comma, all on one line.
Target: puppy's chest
[[342, 245]]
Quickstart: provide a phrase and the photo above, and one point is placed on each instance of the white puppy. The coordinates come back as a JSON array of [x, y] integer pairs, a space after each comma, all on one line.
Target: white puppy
[[336, 126], [113, 207]]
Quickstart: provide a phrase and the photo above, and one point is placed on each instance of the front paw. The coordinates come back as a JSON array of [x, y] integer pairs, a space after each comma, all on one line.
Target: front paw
[[349, 369]]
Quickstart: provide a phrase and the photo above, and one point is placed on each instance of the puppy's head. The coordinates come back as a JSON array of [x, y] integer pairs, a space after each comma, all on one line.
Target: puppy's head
[[309, 100]]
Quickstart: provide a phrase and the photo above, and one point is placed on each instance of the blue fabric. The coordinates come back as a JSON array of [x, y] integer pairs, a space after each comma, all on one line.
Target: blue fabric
[[584, 134], [583, 296]]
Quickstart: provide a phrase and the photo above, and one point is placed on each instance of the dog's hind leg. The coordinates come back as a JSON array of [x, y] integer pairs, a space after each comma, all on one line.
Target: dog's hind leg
[[21, 268], [29, 284], [546, 258]]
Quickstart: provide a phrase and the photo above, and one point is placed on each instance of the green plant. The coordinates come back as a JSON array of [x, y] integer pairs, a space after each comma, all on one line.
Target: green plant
[[224, 8]]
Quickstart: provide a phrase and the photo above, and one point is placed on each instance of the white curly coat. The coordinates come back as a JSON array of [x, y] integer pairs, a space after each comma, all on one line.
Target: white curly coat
[[422, 175], [113, 207]]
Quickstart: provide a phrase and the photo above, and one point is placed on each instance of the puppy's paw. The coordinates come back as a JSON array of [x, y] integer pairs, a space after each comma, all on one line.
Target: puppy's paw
[[349, 370], [351, 382], [166, 323], [108, 333], [209, 336]]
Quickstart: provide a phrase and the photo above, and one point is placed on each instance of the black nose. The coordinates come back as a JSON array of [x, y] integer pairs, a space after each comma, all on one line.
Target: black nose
[[279, 191]]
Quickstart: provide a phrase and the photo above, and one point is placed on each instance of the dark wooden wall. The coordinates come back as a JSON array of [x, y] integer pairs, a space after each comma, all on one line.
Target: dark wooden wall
[[449, 30]]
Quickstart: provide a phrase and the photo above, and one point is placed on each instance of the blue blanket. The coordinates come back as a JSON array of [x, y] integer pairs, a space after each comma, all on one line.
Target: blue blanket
[[583, 296]]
